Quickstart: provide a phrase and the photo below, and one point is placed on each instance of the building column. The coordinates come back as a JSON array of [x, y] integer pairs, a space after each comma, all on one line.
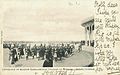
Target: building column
[[86, 35], [92, 35], [89, 34]]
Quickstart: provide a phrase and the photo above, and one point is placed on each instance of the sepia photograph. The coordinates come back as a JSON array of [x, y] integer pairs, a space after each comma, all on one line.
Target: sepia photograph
[[49, 34]]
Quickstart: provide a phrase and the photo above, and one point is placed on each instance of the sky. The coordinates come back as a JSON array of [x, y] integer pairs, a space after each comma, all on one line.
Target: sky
[[46, 20]]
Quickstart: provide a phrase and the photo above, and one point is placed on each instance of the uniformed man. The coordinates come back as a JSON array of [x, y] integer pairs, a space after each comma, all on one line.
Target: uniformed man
[[48, 62], [13, 55], [27, 52]]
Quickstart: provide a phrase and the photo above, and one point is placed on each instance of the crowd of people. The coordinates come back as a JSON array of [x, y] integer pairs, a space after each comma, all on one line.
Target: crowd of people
[[45, 52]]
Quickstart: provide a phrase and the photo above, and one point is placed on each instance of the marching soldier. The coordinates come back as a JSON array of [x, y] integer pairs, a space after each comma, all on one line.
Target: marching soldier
[[41, 51], [13, 55], [33, 49], [61, 53], [55, 55], [68, 48], [38, 52], [48, 62], [80, 47], [27, 52], [19, 52]]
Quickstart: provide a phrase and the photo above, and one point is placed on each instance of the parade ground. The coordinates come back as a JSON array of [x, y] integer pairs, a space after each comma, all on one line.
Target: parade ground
[[78, 59]]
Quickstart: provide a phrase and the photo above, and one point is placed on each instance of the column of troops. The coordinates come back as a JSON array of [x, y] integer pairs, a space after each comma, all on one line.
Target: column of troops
[[48, 52]]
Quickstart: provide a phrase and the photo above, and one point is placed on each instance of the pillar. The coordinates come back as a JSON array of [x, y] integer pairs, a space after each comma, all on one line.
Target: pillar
[[86, 35], [89, 34]]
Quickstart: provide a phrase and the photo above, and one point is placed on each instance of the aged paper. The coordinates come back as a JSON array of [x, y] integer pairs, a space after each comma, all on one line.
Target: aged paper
[[65, 37]]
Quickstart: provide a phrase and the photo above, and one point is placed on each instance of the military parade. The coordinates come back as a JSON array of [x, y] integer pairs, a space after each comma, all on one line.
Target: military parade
[[48, 52]]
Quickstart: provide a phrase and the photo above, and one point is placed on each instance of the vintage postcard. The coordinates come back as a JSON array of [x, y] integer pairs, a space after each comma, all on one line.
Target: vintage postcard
[[60, 37]]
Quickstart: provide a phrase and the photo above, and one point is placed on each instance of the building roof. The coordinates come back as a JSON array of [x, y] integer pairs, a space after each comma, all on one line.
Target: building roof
[[88, 20]]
